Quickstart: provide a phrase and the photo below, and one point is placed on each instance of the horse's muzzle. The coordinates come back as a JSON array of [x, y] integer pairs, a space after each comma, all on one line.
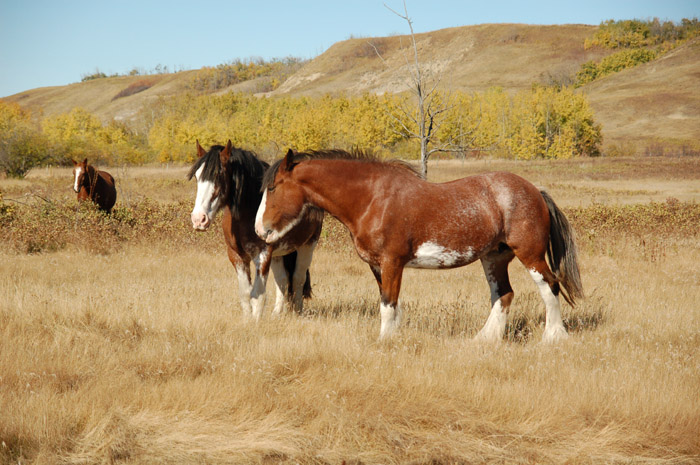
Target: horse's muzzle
[[200, 221], [262, 232]]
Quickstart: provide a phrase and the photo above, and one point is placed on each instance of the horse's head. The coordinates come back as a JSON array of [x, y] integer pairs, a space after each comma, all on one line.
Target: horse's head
[[283, 204], [206, 171], [80, 175], [226, 177]]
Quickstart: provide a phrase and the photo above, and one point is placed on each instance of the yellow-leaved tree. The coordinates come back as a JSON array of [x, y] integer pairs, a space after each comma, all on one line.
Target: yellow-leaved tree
[[22, 145], [80, 134]]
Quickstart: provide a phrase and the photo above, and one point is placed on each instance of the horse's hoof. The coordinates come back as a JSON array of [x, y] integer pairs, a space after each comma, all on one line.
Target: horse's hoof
[[554, 335], [488, 337]]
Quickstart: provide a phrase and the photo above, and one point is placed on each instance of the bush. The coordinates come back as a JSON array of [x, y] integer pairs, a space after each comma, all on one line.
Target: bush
[[541, 123], [672, 218], [41, 226], [22, 146], [624, 59], [640, 41], [210, 79], [80, 134], [96, 75], [636, 33]]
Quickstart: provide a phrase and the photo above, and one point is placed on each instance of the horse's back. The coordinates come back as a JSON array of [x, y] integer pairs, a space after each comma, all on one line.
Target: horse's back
[[107, 191], [107, 177], [513, 192], [476, 213], [523, 211]]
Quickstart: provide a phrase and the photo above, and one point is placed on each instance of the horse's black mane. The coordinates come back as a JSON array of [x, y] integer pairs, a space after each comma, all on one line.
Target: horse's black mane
[[336, 154], [238, 181]]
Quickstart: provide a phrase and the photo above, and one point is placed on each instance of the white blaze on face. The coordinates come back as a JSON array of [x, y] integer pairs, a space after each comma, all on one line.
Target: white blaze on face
[[78, 172], [274, 235], [204, 209], [432, 255], [259, 230]]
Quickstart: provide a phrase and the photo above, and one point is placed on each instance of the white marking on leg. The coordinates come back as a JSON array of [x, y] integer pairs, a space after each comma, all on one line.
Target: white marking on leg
[[257, 295], [281, 284], [244, 289], [304, 255], [78, 171], [495, 326], [391, 318], [433, 255], [554, 326]]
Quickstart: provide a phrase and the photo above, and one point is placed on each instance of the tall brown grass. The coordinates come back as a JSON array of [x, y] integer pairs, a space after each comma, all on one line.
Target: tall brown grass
[[137, 352]]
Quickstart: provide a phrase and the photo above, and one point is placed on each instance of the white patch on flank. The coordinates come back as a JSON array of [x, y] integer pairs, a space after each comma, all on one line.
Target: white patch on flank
[[78, 171], [391, 318], [504, 197], [432, 255], [554, 326]]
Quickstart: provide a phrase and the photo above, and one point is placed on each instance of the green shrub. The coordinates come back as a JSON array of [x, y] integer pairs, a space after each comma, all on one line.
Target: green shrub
[[210, 79], [590, 71], [637, 33]]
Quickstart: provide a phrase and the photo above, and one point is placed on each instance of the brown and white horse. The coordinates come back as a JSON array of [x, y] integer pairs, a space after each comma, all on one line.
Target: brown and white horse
[[397, 220], [95, 185], [230, 179]]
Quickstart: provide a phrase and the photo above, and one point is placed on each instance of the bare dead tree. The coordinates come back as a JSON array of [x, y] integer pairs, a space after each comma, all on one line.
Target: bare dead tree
[[424, 122]]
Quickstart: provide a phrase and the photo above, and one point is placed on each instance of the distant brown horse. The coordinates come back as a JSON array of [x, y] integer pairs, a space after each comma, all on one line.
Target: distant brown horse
[[230, 179], [95, 185], [397, 220]]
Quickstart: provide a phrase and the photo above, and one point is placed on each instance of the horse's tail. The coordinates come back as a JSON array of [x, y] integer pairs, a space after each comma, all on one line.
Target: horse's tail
[[290, 263], [562, 252]]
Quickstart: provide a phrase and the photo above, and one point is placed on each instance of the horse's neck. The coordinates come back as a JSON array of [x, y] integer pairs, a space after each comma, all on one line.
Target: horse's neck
[[92, 180], [322, 178], [250, 196]]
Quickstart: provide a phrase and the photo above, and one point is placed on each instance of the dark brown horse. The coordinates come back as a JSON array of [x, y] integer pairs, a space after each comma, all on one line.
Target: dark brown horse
[[230, 179], [397, 220], [94, 184]]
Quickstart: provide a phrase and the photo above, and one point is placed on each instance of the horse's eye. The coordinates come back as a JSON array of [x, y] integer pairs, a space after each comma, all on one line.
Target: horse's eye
[[270, 188]]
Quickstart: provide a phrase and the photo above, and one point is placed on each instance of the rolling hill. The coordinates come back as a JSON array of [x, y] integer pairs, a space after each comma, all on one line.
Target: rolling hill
[[658, 101]]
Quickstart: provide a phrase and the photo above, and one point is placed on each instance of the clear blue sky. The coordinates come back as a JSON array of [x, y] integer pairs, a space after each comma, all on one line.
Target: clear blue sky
[[49, 43]]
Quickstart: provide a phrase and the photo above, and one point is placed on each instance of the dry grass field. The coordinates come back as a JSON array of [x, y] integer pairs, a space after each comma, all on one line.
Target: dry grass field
[[129, 347]]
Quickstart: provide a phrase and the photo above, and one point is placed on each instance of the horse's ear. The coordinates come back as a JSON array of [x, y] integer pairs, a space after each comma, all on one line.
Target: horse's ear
[[288, 161], [85, 162], [226, 153], [200, 150], [75, 163]]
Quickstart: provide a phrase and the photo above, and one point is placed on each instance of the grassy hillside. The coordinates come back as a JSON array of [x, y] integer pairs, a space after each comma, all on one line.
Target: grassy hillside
[[472, 58], [659, 100], [638, 108], [98, 96]]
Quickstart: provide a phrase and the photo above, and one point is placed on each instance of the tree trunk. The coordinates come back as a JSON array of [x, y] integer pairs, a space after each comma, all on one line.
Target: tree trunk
[[424, 158]]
